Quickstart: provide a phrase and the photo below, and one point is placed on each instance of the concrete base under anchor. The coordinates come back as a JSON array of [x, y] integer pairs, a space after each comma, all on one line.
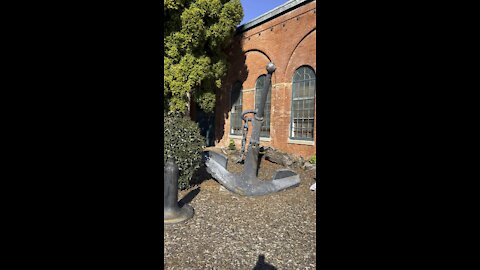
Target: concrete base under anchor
[[185, 213]]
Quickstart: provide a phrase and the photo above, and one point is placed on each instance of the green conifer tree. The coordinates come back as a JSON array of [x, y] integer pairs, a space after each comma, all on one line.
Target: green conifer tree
[[196, 34]]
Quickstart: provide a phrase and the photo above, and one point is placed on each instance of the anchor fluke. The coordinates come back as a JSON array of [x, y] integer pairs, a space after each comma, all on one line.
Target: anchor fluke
[[244, 185]]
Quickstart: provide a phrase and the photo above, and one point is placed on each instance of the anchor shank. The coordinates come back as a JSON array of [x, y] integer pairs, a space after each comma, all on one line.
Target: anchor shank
[[251, 160]]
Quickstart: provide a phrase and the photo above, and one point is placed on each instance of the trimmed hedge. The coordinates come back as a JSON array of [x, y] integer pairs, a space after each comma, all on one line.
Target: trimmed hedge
[[184, 143]]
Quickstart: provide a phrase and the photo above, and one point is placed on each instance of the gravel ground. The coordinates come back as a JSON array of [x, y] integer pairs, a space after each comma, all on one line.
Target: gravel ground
[[229, 231]]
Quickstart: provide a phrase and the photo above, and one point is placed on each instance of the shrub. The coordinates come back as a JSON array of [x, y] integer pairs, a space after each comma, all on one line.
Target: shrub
[[232, 146], [313, 159], [184, 143]]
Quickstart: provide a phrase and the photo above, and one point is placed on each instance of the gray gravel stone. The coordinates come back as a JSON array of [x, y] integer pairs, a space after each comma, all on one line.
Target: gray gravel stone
[[229, 231]]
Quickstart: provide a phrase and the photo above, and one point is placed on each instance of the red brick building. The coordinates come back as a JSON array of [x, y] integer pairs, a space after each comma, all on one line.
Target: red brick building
[[286, 36]]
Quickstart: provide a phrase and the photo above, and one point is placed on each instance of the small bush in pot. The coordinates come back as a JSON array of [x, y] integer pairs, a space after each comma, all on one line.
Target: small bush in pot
[[232, 146], [313, 159], [183, 142]]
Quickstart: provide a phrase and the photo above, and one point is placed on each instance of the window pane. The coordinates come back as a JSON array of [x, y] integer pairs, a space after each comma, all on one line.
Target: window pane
[[303, 103], [236, 110], [309, 104]]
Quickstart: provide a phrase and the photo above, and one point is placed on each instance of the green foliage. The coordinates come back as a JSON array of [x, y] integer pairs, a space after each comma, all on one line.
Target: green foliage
[[313, 159], [196, 33], [206, 100], [232, 146], [184, 143]]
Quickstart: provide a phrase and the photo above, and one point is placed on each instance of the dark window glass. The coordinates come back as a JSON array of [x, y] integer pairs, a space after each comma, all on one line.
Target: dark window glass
[[303, 104], [236, 111], [260, 84]]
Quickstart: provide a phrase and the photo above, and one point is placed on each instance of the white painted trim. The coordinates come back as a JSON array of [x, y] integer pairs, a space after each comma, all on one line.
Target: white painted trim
[[282, 84], [271, 14], [274, 86], [301, 142], [262, 139]]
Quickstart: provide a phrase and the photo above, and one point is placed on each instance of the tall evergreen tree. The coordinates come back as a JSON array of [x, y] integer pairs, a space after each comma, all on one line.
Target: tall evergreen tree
[[196, 33]]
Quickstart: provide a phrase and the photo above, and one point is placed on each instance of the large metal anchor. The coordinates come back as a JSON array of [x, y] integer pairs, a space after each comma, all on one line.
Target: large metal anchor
[[247, 183]]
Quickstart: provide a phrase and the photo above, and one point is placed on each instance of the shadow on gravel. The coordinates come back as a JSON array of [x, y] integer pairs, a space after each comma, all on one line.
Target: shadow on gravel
[[200, 175], [189, 197], [262, 265]]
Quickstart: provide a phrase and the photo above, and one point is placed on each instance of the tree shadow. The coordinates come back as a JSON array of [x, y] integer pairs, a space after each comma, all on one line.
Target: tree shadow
[[200, 175], [206, 123], [262, 265], [189, 197], [237, 72]]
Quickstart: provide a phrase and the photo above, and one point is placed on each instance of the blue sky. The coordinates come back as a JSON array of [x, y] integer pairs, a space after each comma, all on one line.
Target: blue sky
[[255, 8]]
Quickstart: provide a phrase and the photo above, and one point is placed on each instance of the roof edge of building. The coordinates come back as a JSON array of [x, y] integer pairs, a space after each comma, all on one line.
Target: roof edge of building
[[269, 15]]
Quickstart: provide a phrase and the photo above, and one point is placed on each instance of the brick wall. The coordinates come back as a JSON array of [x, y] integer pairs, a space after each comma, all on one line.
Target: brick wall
[[289, 41]]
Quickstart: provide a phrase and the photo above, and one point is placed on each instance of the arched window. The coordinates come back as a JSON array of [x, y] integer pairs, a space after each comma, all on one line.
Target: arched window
[[303, 104], [236, 126], [259, 85]]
